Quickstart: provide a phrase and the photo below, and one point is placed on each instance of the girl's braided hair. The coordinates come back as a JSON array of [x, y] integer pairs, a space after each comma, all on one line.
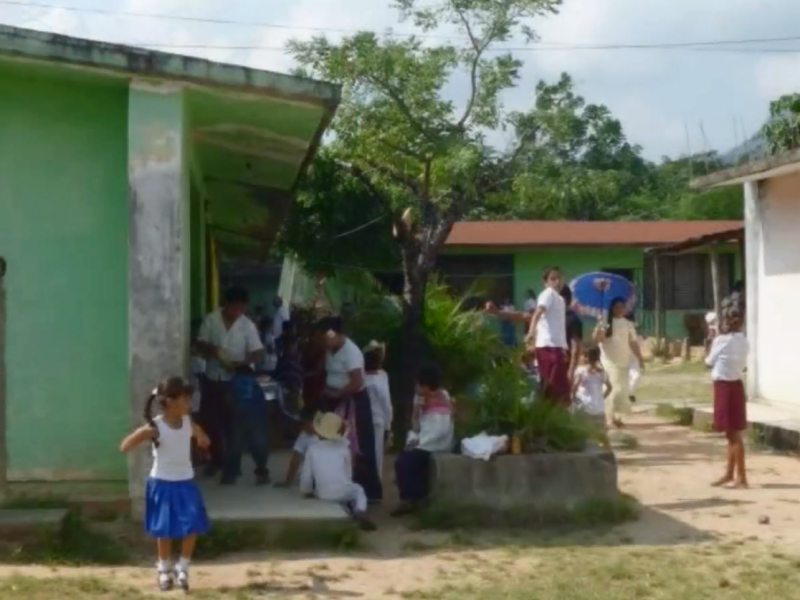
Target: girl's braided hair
[[173, 387], [148, 409]]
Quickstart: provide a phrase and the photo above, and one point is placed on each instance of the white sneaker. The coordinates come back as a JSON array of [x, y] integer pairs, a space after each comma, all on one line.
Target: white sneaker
[[183, 580], [165, 581]]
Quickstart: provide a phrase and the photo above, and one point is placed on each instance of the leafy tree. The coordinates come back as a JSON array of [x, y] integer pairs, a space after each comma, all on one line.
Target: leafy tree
[[404, 138], [782, 131], [335, 218], [572, 160]]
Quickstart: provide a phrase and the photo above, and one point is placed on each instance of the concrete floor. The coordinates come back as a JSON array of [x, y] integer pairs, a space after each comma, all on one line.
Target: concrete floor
[[247, 502]]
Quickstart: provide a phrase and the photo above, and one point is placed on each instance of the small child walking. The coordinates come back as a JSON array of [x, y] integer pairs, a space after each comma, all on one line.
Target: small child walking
[[328, 470], [728, 361], [591, 386], [376, 381], [174, 508]]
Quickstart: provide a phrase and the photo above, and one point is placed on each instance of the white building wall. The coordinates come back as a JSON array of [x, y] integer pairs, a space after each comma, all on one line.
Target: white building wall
[[775, 334]]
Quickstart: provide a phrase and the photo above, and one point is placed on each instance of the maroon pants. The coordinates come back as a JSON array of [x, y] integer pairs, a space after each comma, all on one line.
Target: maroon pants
[[216, 416], [552, 365]]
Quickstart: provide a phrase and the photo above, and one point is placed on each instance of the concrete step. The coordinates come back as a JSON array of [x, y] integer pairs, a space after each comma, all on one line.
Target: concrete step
[[23, 523]]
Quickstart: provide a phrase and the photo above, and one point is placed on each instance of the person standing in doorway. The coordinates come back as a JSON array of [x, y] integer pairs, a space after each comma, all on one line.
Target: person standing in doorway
[[282, 316], [548, 335], [619, 343], [345, 381], [228, 340]]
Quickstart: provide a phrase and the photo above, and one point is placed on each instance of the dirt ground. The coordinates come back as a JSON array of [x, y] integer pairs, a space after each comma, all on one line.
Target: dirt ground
[[668, 473]]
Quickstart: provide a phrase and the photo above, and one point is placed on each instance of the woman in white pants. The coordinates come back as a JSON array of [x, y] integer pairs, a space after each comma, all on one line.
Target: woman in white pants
[[619, 345]]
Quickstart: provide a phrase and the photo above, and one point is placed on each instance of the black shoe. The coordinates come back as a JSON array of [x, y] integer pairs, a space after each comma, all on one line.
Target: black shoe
[[262, 479], [632, 399], [364, 524]]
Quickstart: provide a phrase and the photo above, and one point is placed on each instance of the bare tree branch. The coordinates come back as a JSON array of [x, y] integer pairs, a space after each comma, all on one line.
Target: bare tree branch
[[480, 48]]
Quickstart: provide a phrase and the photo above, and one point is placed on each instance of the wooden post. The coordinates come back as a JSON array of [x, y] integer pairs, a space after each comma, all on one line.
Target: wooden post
[[658, 306], [716, 282]]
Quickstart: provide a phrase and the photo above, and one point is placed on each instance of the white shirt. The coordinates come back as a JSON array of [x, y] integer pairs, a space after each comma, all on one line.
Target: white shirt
[[380, 399], [530, 305], [551, 330], [436, 429], [304, 442], [282, 315], [591, 390], [327, 470], [617, 348], [237, 342], [339, 364], [198, 367], [172, 458], [728, 357]]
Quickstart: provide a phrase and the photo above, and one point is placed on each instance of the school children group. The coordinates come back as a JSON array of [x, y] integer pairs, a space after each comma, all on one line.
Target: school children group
[[339, 453]]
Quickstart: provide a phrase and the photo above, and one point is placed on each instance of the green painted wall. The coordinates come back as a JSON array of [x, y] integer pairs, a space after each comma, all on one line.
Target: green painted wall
[[573, 261], [63, 230]]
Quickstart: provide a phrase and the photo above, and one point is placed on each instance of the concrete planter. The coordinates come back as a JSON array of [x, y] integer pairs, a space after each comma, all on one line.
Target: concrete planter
[[535, 480]]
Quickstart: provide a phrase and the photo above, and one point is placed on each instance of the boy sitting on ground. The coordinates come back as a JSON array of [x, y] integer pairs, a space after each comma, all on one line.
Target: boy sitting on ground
[[303, 442], [328, 470]]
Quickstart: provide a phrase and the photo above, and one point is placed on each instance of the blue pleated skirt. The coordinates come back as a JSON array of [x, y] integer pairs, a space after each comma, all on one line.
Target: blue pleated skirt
[[174, 509]]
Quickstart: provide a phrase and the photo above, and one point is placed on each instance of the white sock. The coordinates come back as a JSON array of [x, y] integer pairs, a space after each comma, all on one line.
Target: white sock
[[163, 566], [183, 564]]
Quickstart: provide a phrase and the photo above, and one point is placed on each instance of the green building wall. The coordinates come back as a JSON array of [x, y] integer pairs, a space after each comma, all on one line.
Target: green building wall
[[63, 231]]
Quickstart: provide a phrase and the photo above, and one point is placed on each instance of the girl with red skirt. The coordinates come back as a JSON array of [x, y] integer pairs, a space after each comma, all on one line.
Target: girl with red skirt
[[728, 360]]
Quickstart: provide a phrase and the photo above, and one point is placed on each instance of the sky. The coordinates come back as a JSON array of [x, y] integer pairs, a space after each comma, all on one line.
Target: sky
[[669, 101]]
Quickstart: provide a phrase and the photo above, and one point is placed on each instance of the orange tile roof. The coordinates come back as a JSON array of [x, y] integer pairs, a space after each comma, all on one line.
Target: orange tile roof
[[582, 233]]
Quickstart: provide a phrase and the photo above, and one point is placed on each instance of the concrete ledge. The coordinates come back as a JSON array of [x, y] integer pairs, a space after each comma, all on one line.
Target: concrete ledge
[[22, 523], [535, 480]]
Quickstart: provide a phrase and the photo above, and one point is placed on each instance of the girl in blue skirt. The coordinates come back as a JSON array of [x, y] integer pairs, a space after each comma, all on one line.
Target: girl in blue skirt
[[174, 508]]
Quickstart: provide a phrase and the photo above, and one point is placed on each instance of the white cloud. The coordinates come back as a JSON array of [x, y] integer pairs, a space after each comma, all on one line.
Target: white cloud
[[777, 75]]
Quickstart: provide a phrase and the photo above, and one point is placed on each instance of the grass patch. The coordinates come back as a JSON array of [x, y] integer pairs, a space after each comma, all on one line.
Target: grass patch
[[682, 415], [77, 543], [628, 574], [31, 588], [227, 538], [588, 514]]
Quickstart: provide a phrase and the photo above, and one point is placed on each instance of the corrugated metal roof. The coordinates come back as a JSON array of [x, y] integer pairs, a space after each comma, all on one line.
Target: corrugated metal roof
[[582, 233]]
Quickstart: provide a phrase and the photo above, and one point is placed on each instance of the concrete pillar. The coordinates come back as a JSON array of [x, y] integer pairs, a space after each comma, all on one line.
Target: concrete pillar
[[3, 432], [158, 251], [753, 241]]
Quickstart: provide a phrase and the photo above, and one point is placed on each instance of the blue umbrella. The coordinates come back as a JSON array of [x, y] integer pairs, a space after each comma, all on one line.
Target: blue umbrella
[[592, 293]]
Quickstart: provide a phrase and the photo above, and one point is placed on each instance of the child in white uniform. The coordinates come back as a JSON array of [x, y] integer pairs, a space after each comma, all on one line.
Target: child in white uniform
[[328, 470], [303, 442], [174, 508], [591, 386], [376, 381]]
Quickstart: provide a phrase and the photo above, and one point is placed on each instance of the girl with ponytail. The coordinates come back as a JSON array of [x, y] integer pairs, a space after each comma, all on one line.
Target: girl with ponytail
[[174, 508]]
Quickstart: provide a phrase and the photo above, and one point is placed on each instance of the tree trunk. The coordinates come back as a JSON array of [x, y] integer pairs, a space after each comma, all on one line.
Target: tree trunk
[[412, 343]]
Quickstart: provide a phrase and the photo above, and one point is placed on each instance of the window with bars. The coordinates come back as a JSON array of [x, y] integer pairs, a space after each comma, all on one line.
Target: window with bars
[[686, 281]]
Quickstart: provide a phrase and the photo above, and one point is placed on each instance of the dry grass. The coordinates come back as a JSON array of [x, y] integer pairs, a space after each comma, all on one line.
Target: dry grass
[[689, 573], [689, 382]]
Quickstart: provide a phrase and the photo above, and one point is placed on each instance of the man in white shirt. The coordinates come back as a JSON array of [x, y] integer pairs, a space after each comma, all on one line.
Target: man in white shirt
[[228, 340]]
